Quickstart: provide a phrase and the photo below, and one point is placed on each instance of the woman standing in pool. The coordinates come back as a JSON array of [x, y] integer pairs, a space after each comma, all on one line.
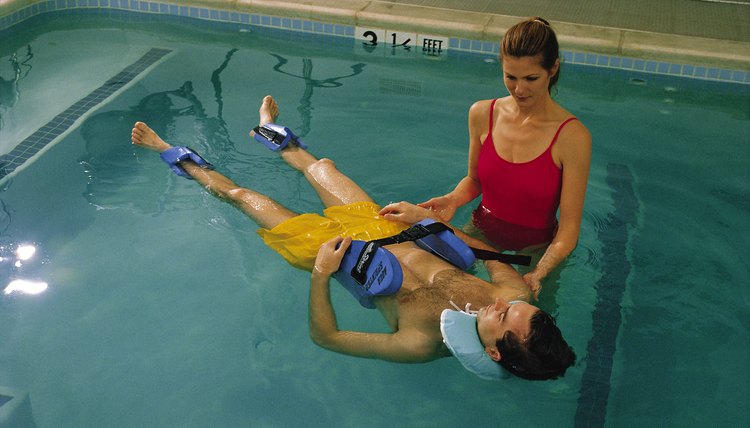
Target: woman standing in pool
[[528, 156]]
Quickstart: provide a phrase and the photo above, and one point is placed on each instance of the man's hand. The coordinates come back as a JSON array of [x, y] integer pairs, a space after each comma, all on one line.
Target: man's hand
[[405, 212], [330, 254], [407, 345]]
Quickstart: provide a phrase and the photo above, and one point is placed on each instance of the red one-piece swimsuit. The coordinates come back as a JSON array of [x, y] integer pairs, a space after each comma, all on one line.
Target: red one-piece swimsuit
[[519, 200]]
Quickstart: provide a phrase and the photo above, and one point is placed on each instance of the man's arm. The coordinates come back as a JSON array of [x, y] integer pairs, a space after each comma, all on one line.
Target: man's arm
[[404, 346]]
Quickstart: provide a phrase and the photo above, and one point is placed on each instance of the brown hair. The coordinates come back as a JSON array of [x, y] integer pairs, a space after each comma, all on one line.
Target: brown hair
[[533, 37], [545, 355]]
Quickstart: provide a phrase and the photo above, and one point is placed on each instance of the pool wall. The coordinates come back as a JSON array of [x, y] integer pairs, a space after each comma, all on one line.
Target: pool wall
[[470, 32]]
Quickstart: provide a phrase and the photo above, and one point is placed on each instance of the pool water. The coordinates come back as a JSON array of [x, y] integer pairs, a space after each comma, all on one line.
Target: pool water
[[163, 307]]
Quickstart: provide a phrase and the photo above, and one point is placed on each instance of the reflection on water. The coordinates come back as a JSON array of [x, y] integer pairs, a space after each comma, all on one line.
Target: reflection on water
[[10, 93], [25, 287], [18, 261], [305, 103]]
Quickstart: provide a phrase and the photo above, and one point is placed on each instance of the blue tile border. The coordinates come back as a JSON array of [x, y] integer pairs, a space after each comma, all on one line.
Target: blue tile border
[[45, 135], [342, 30], [658, 67]]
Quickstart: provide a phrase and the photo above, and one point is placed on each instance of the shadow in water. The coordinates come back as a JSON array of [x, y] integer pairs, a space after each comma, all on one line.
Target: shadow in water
[[110, 167]]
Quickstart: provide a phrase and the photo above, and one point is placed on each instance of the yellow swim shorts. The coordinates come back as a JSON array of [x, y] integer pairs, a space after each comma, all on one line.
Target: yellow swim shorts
[[299, 239]]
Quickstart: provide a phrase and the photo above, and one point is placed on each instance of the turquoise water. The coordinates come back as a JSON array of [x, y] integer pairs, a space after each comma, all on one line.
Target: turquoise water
[[163, 308]]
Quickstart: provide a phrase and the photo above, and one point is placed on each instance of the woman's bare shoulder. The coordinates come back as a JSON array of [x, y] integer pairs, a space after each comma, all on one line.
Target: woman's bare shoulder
[[481, 108]]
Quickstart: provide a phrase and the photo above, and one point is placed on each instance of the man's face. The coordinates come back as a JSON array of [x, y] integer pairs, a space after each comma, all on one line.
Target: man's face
[[493, 321]]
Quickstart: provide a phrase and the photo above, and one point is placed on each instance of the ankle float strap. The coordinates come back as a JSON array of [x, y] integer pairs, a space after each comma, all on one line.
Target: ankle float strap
[[277, 137], [175, 155]]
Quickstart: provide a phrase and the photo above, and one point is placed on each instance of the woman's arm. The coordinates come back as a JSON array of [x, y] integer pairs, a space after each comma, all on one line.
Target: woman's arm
[[468, 187], [574, 148]]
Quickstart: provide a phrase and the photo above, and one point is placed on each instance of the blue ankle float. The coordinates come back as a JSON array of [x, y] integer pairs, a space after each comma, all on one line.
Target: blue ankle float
[[177, 154]]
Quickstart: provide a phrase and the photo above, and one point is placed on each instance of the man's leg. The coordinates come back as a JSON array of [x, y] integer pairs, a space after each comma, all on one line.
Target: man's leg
[[262, 209], [332, 186]]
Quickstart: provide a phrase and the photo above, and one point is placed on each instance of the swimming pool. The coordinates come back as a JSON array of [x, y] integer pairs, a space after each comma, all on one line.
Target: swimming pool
[[163, 308]]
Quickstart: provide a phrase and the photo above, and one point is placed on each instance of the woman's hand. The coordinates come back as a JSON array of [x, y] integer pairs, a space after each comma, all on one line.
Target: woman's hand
[[405, 212], [330, 255], [443, 207], [534, 283]]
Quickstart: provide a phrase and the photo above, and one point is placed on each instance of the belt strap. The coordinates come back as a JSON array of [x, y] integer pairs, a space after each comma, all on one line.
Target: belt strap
[[514, 259], [419, 231]]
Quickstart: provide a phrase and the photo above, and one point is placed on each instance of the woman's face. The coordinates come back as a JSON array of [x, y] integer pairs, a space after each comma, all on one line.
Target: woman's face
[[527, 81]]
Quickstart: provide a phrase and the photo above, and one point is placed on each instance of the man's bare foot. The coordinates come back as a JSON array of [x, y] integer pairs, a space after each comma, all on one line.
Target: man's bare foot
[[143, 136], [269, 110]]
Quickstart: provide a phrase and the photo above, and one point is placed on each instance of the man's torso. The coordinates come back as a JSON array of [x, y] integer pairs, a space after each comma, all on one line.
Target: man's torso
[[429, 286]]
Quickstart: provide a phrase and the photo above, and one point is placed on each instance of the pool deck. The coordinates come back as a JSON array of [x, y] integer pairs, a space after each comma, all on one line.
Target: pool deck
[[705, 32], [713, 33]]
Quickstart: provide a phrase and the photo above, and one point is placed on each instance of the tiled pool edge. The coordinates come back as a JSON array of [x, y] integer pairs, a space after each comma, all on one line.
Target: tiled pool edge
[[208, 13]]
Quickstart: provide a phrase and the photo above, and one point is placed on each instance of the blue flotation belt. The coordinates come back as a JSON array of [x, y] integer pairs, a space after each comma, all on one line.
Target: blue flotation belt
[[368, 270]]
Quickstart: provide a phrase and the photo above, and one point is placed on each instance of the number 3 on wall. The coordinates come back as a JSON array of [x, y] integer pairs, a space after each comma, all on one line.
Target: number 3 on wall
[[373, 38]]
